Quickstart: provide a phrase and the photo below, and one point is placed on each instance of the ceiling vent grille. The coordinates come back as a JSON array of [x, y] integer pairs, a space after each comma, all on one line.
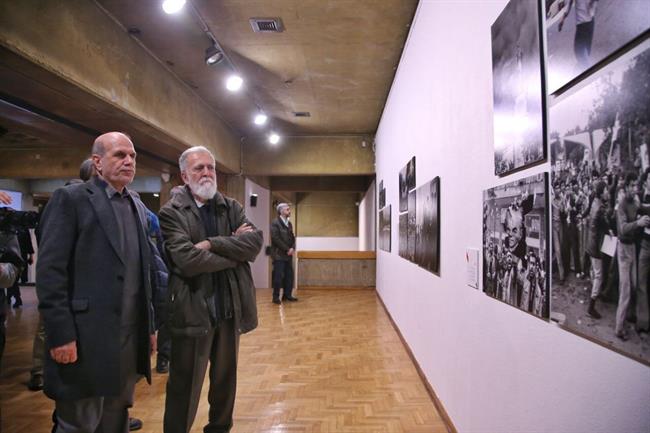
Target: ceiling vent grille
[[267, 25], [302, 114]]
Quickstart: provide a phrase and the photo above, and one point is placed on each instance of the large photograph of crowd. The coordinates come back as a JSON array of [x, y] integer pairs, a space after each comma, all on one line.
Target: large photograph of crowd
[[581, 33], [384, 229], [515, 244], [427, 226], [600, 156], [517, 87]]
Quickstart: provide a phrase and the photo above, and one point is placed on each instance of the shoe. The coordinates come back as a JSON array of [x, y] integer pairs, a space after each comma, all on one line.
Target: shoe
[[591, 311], [35, 382], [277, 301], [623, 335], [289, 298], [135, 424], [18, 303], [162, 366]]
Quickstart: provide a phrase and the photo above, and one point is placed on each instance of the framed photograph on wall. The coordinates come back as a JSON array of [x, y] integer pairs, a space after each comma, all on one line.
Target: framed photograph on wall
[[403, 235], [600, 179], [406, 184], [427, 226], [582, 33], [384, 229], [411, 226], [515, 253], [410, 174], [517, 87]]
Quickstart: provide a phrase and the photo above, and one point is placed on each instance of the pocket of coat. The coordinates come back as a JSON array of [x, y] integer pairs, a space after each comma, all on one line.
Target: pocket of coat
[[79, 305]]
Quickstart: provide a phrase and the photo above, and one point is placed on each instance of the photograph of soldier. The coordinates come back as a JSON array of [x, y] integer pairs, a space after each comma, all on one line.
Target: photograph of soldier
[[600, 177], [515, 242], [384, 229], [382, 195], [403, 191], [581, 33], [410, 174], [427, 226], [517, 87]]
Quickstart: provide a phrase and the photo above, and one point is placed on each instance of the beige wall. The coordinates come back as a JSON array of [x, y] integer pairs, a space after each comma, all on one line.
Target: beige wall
[[327, 214]]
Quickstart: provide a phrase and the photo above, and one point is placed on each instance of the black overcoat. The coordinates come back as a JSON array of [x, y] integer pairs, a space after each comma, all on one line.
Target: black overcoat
[[80, 277]]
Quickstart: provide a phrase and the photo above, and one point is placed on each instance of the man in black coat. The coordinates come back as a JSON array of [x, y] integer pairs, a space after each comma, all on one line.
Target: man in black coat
[[283, 248], [94, 293]]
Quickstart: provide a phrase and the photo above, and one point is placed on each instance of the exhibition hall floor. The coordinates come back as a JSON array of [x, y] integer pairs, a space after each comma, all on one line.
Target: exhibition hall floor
[[330, 363]]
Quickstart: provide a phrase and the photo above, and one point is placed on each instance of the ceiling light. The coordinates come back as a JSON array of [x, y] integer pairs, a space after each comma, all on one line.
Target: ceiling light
[[213, 55], [173, 6], [260, 119], [274, 138], [234, 83]]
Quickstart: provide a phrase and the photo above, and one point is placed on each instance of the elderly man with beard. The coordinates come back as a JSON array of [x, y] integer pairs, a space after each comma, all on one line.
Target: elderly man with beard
[[209, 242]]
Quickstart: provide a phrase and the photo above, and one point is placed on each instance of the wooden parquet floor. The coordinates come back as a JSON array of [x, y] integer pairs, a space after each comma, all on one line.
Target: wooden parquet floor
[[330, 363]]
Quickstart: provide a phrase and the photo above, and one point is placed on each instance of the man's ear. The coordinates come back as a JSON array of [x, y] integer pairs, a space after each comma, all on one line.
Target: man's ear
[[184, 177], [97, 162]]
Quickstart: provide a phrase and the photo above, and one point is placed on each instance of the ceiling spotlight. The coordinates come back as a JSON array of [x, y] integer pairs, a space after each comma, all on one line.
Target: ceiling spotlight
[[213, 55], [173, 6], [260, 119], [234, 83], [274, 138]]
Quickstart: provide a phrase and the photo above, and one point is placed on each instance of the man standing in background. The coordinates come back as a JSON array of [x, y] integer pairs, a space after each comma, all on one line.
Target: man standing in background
[[283, 248]]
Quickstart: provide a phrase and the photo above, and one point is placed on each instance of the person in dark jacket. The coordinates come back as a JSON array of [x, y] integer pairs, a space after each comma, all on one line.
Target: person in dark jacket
[[94, 293], [209, 243], [599, 226], [283, 248]]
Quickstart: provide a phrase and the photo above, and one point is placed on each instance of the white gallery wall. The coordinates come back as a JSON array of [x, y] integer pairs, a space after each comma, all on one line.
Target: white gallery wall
[[494, 367], [367, 229], [259, 215], [316, 243]]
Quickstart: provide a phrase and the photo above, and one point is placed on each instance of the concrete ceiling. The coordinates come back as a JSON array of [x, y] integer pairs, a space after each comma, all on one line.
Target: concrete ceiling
[[335, 59]]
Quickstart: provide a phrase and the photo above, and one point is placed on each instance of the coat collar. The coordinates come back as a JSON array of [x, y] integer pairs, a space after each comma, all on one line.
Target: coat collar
[[99, 200]]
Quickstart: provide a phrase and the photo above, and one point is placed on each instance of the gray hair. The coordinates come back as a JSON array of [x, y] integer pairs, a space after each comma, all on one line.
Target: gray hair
[[182, 161], [282, 206]]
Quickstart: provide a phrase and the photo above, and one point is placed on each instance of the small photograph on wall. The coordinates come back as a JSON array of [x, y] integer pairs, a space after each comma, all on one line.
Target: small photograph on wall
[[410, 174], [600, 178], [517, 87], [384, 229], [515, 265], [411, 226], [382, 195], [427, 226], [403, 190], [581, 33], [403, 235]]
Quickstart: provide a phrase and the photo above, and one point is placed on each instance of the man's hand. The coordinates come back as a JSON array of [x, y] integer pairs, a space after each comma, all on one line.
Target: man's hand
[[290, 252], [153, 343], [203, 245], [244, 228], [644, 221], [5, 198], [66, 354]]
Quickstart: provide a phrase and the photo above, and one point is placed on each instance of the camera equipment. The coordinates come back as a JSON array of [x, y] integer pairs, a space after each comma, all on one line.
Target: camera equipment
[[13, 220]]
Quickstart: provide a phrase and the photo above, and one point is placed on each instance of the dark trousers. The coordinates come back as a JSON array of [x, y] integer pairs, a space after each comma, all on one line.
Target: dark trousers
[[103, 414], [164, 343], [187, 367], [282, 278]]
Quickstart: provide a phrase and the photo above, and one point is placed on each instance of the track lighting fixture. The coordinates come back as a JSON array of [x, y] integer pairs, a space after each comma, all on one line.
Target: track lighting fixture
[[234, 83], [260, 119], [173, 6], [213, 55]]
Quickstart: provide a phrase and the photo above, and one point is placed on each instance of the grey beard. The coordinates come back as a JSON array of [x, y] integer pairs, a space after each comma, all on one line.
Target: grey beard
[[206, 191]]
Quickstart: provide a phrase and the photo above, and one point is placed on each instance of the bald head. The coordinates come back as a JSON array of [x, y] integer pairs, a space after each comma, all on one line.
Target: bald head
[[113, 155]]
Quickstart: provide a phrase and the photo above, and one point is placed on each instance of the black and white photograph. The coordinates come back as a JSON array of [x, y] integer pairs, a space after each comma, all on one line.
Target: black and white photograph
[[411, 226], [600, 165], [582, 33], [410, 174], [382, 195], [384, 229], [403, 235], [427, 226], [403, 190], [517, 87], [515, 261]]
